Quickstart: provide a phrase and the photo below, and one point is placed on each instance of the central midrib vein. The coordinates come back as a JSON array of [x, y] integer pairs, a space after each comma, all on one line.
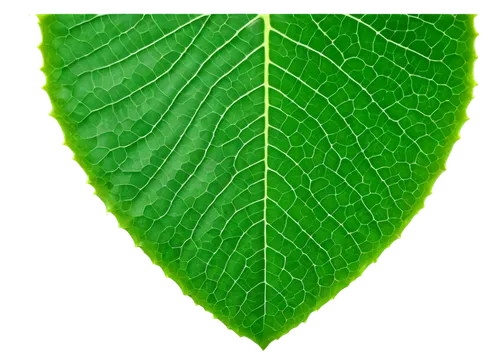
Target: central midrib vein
[[267, 29]]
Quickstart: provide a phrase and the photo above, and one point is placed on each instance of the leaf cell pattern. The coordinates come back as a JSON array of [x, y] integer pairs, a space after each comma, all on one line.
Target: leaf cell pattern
[[263, 162]]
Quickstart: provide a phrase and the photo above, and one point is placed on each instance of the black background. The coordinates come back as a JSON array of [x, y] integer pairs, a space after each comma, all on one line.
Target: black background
[[92, 297]]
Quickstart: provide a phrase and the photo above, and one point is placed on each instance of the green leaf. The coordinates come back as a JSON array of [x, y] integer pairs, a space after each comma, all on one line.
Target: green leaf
[[263, 162]]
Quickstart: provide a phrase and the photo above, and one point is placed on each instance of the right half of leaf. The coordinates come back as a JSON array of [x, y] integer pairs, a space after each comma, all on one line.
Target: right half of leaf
[[364, 111]]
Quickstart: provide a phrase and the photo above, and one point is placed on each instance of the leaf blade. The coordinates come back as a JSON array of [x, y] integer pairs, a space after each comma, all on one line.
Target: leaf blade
[[262, 162]]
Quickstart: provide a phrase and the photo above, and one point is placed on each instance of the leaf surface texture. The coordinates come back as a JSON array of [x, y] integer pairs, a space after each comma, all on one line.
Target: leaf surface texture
[[263, 162]]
